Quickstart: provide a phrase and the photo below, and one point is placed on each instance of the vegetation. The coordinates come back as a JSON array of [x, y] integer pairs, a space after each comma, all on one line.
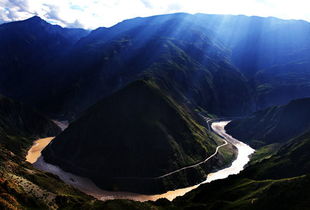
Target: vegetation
[[22, 186], [273, 125], [133, 137], [164, 69], [280, 181]]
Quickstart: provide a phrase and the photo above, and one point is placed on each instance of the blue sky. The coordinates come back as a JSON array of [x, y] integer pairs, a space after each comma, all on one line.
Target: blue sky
[[91, 14]]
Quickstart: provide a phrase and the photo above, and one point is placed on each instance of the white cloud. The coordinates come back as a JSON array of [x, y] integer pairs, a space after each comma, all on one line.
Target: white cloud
[[95, 13]]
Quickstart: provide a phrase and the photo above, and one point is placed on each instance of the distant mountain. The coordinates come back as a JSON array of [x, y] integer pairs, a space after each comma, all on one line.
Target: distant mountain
[[280, 82], [128, 139], [252, 40], [268, 51], [193, 68], [62, 72], [273, 125], [143, 83], [26, 47]]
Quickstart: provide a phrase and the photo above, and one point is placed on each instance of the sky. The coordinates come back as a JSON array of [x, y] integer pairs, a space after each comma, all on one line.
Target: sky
[[91, 14]]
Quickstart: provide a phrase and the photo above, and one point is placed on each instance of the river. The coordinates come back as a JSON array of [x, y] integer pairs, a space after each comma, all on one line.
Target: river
[[88, 187]]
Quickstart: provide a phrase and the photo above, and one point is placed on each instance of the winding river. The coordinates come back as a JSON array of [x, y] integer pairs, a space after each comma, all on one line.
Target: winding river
[[88, 187]]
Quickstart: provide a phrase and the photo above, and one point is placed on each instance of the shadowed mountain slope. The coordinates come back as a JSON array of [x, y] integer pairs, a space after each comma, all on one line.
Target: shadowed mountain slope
[[273, 125], [278, 181], [18, 120], [21, 185], [193, 68], [202, 60], [26, 48], [133, 136]]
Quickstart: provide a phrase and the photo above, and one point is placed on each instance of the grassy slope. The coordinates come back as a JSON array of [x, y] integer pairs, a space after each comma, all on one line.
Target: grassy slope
[[19, 124], [22, 186], [273, 125], [279, 182], [252, 189], [269, 184]]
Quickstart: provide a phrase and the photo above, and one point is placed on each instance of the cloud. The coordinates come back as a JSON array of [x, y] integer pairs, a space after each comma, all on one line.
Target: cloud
[[52, 12], [95, 13], [75, 24], [14, 10], [147, 3], [173, 7]]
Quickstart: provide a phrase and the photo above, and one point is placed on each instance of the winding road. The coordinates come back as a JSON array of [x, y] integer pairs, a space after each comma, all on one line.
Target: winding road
[[197, 164], [190, 166], [88, 187]]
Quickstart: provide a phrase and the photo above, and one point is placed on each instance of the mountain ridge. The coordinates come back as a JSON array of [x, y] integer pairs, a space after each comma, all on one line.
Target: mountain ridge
[[64, 84]]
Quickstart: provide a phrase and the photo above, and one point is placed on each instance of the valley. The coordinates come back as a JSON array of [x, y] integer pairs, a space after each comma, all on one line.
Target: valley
[[88, 187], [173, 111]]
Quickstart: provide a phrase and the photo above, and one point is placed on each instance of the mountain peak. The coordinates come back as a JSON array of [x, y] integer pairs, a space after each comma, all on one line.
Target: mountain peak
[[35, 19], [130, 129]]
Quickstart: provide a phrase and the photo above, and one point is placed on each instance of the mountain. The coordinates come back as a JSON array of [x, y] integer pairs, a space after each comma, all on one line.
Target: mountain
[[143, 83], [21, 185], [26, 48], [263, 185], [76, 69], [128, 140], [280, 82], [273, 125], [254, 38], [276, 70], [18, 120], [182, 59], [291, 160], [277, 181]]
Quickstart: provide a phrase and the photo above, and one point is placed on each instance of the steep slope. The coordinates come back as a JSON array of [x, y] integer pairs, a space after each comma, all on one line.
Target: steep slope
[[74, 70], [291, 160], [281, 181], [17, 119], [264, 184], [135, 136], [280, 82], [109, 58], [26, 48], [273, 125], [178, 54], [277, 70], [21, 185]]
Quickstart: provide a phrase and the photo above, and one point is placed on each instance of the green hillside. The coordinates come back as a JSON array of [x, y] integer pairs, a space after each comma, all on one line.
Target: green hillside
[[134, 136], [279, 182], [21, 185], [273, 125]]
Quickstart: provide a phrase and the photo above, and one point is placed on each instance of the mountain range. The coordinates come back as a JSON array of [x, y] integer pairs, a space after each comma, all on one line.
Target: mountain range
[[139, 97], [209, 57]]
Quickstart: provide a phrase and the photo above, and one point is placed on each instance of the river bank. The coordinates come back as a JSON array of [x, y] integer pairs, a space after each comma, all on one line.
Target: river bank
[[88, 187]]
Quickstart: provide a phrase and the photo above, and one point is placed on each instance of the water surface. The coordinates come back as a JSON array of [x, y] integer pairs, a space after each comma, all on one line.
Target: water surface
[[88, 187]]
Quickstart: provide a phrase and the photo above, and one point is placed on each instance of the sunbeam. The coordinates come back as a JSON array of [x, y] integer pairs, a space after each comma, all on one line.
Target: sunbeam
[[94, 13]]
